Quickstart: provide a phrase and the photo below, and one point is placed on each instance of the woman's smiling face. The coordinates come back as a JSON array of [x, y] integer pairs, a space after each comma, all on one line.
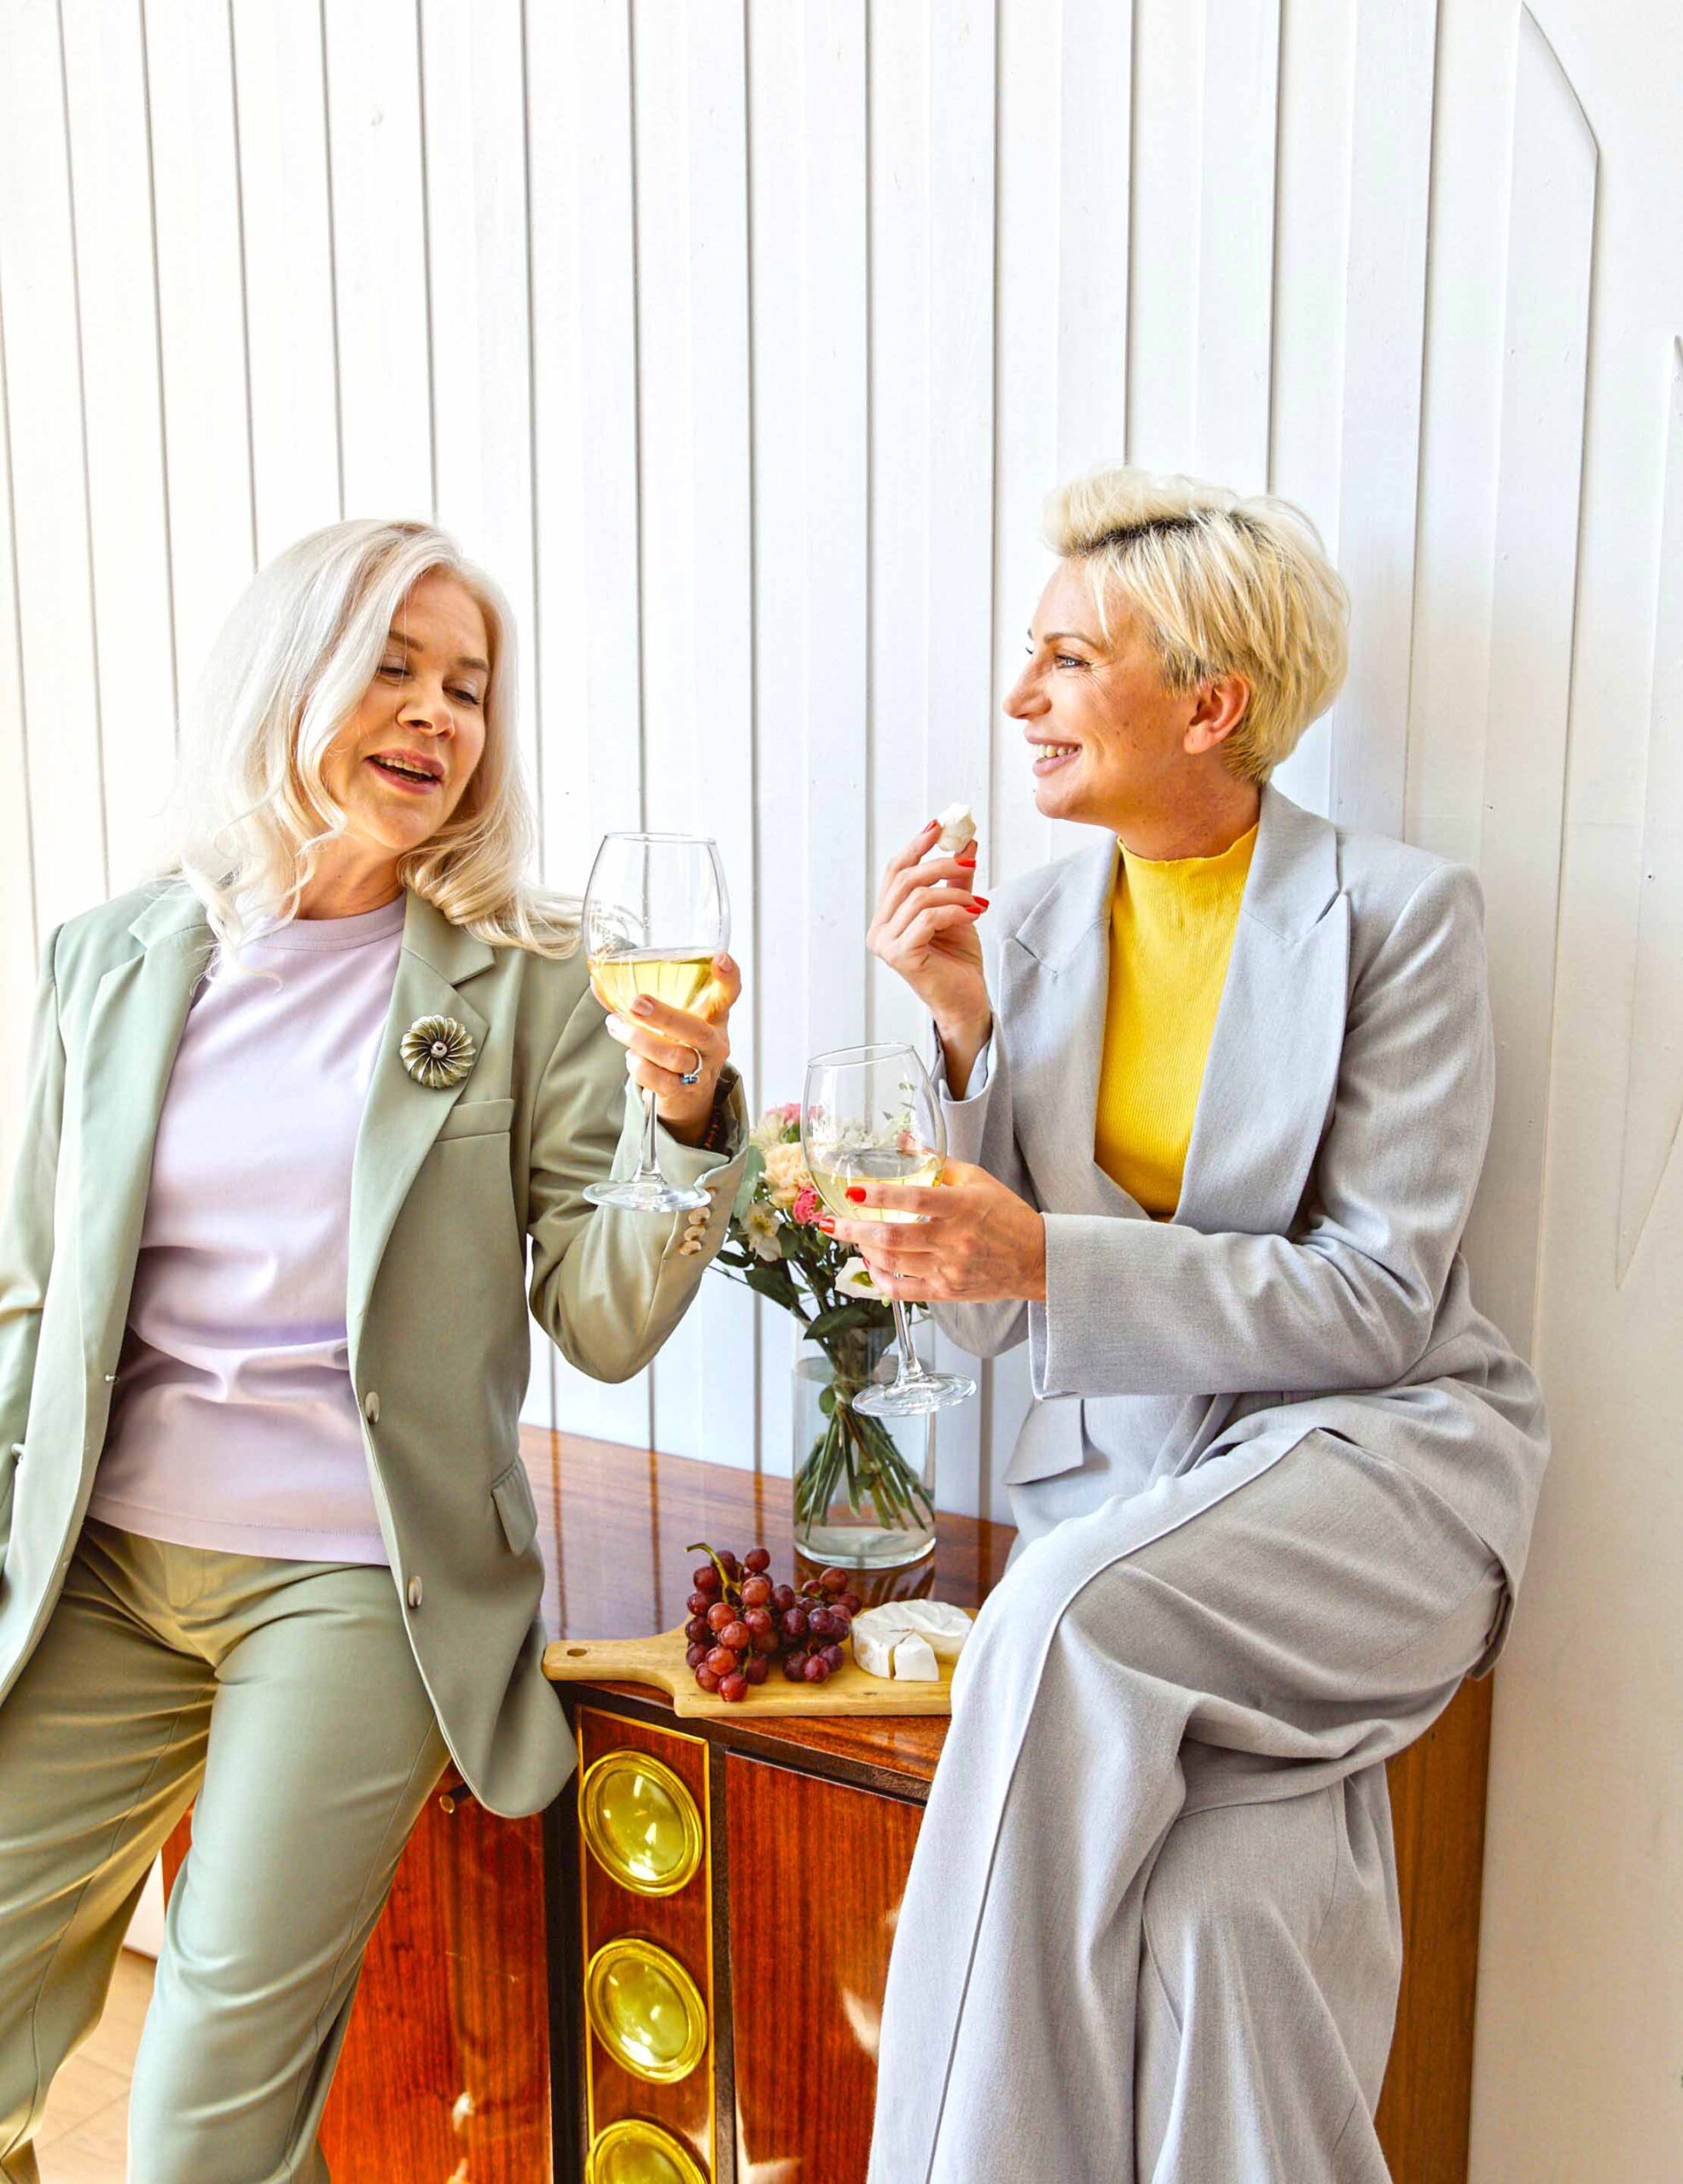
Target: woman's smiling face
[[400, 763], [1106, 739]]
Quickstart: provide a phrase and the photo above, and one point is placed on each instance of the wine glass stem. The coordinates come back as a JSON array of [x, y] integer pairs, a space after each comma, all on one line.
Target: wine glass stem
[[910, 1370], [648, 1163]]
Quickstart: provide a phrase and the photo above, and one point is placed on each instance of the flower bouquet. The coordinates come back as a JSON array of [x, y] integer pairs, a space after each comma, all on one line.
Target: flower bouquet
[[859, 1499]]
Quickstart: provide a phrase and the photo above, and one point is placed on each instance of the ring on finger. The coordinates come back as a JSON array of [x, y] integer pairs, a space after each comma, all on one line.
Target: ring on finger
[[694, 1076]]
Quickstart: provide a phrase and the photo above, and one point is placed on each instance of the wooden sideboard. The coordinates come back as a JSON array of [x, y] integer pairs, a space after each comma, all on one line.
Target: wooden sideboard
[[473, 1985]]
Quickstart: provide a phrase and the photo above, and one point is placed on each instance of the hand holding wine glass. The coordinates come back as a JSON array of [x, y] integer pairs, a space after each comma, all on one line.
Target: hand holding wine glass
[[870, 1115], [656, 922]]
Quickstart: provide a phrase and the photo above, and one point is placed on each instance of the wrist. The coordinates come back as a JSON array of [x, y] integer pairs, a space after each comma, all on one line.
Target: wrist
[[961, 1041]]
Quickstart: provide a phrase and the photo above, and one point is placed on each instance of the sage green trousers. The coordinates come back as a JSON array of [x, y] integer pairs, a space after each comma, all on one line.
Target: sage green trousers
[[283, 1698]]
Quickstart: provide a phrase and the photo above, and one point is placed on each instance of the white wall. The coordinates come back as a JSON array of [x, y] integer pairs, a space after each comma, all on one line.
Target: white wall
[[741, 339]]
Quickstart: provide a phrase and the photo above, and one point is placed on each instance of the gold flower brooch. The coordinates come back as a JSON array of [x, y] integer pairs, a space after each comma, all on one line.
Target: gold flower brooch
[[438, 1052]]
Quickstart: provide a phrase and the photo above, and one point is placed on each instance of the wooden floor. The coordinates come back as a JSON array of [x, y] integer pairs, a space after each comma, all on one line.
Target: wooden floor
[[81, 2140]]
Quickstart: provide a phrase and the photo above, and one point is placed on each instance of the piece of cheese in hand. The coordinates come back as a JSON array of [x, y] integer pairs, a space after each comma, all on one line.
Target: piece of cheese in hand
[[886, 1643], [958, 826]]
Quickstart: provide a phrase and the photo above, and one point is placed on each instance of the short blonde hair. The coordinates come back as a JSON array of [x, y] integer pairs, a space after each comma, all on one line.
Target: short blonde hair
[[251, 808], [1224, 585]]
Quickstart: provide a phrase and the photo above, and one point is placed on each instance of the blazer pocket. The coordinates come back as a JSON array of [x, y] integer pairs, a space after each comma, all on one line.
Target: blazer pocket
[[476, 1118], [512, 1492]]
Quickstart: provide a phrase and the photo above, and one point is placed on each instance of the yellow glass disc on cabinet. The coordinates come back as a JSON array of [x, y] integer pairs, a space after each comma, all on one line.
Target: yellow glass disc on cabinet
[[646, 2010], [641, 1822], [633, 2153]]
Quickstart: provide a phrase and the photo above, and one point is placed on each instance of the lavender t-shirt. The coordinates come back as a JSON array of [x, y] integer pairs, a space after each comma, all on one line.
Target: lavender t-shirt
[[234, 1423]]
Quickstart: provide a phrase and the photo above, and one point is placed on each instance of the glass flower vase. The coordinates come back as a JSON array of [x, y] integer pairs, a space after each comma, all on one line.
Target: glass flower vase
[[864, 1488]]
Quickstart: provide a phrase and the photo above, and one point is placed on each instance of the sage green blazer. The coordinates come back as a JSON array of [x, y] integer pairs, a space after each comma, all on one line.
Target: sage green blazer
[[447, 1187]]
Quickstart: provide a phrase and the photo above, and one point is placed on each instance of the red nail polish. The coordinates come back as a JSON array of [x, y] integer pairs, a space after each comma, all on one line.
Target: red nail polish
[[978, 905], [856, 1194], [969, 860], [826, 1223]]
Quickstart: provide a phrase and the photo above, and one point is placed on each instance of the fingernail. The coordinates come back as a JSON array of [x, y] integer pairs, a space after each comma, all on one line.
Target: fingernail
[[979, 905], [826, 1223], [856, 1194], [930, 826], [642, 1006]]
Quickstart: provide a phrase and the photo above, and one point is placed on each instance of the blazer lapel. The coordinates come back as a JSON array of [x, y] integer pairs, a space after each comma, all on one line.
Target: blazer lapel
[[1059, 963], [1273, 1067], [134, 1028], [401, 1118]]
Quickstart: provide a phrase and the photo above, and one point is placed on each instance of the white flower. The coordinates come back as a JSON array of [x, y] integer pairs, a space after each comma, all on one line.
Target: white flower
[[759, 1225], [854, 1280]]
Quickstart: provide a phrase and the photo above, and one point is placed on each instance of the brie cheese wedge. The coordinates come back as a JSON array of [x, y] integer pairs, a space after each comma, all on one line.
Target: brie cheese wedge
[[958, 826], [902, 1639]]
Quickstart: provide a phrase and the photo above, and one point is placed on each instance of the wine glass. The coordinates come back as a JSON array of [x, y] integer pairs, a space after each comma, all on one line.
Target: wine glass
[[870, 1115], [655, 915]]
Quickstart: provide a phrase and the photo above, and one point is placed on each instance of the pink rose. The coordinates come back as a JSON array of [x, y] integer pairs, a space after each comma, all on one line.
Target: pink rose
[[806, 1205]]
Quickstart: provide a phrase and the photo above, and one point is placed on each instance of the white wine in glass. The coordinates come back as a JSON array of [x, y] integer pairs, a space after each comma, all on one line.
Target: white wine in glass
[[655, 915], [870, 1115]]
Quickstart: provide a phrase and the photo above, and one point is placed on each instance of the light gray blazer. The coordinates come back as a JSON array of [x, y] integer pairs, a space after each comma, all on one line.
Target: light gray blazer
[[1311, 1276]]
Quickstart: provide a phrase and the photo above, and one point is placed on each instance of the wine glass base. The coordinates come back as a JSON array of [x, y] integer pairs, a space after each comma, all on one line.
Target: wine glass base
[[651, 1195], [912, 1398]]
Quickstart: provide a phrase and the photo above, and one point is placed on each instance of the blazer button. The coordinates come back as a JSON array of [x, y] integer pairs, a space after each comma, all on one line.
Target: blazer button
[[371, 1406], [109, 1377], [415, 1591], [688, 1248]]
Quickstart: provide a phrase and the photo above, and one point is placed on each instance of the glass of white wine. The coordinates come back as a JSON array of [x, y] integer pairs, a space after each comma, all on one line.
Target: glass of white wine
[[655, 915], [870, 1115]]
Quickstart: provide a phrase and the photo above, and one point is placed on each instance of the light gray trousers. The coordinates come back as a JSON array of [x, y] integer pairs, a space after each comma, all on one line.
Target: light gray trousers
[[284, 1694], [1152, 1931]]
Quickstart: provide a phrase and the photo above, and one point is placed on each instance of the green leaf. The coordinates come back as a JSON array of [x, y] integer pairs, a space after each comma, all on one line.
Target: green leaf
[[857, 1313], [772, 1279], [752, 1169]]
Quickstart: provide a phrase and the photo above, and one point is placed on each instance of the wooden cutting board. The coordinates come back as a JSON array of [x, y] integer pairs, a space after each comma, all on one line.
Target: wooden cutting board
[[660, 1661]]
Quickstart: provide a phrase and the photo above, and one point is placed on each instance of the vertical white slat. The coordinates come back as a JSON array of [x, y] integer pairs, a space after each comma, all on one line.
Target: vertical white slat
[[1384, 336], [958, 742], [20, 942], [111, 177], [1094, 142], [1015, 838], [1551, 236], [583, 214], [378, 199], [48, 482], [787, 1011], [201, 316], [1461, 414], [584, 390], [1163, 254], [905, 371], [723, 1323], [836, 555], [1312, 249], [668, 418], [1235, 259], [278, 64], [474, 125], [1654, 1097]]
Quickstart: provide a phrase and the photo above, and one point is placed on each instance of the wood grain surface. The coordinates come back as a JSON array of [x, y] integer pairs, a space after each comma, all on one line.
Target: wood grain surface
[[660, 1663], [816, 1875]]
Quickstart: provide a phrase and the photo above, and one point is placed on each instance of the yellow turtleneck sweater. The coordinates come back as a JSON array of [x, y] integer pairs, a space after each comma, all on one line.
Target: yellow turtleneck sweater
[[1172, 925]]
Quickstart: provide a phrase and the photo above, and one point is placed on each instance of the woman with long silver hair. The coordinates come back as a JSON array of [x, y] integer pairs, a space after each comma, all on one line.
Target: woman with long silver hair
[[297, 1113], [1218, 1089]]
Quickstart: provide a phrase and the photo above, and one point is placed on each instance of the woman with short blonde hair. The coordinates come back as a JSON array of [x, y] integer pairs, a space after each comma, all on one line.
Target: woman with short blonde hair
[[298, 1114], [1217, 1092]]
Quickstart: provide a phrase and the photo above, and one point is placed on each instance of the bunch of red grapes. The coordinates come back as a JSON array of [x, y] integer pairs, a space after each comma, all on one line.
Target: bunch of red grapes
[[740, 1622]]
